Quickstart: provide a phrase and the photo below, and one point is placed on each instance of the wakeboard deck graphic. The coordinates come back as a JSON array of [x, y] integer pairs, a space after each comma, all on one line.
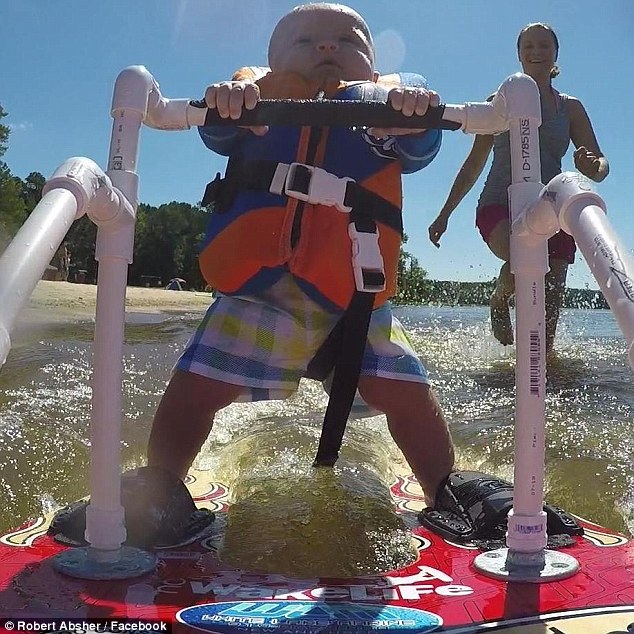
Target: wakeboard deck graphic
[[194, 590]]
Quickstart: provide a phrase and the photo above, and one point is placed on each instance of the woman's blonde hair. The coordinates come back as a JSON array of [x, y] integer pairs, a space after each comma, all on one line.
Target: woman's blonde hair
[[555, 69]]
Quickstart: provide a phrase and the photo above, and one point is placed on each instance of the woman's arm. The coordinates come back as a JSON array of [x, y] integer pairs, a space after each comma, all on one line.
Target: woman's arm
[[589, 159], [464, 181]]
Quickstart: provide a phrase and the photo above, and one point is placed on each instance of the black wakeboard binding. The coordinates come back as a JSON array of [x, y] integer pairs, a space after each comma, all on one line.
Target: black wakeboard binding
[[159, 513], [471, 506]]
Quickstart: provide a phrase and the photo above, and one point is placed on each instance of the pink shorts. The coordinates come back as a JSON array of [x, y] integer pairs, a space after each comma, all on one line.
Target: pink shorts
[[561, 246]]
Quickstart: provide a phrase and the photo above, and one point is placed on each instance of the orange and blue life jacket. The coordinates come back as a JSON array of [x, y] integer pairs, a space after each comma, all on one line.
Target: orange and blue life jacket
[[254, 236]]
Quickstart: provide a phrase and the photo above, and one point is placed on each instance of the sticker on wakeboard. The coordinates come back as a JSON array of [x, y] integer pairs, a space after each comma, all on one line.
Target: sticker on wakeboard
[[307, 617]]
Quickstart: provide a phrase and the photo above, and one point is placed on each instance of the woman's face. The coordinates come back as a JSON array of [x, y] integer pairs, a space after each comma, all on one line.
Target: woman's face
[[537, 51]]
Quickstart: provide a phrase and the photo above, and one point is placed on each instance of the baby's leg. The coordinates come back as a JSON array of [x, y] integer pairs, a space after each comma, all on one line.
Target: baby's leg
[[184, 419], [417, 425]]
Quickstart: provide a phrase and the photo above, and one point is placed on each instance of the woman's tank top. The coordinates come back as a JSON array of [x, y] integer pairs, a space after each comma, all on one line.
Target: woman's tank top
[[554, 138]]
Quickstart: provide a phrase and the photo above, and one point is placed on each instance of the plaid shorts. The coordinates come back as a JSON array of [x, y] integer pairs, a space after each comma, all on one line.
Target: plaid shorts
[[266, 341]]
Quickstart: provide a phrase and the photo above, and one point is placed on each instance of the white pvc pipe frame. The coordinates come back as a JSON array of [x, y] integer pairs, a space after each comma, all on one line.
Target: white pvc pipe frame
[[110, 199]]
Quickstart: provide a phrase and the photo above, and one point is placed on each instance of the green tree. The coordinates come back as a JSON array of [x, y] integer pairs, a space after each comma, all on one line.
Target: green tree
[[413, 284], [31, 190], [4, 133], [80, 241], [12, 209], [166, 243]]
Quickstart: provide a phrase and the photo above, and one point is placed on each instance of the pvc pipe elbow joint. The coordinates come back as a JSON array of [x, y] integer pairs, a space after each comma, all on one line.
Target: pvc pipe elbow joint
[[537, 218], [111, 207], [571, 191], [516, 98], [167, 114], [81, 177], [137, 91], [131, 90], [485, 118], [521, 97]]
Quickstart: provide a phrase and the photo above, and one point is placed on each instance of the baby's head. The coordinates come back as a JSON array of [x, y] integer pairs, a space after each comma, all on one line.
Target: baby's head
[[323, 41]]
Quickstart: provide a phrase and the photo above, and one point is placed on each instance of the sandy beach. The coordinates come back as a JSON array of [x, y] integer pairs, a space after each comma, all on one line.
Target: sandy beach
[[65, 301]]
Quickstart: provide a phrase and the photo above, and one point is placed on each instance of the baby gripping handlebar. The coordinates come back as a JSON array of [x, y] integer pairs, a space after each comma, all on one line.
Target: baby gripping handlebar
[[137, 94], [326, 112]]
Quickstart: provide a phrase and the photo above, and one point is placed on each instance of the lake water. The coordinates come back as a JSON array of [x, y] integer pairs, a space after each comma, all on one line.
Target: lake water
[[264, 451]]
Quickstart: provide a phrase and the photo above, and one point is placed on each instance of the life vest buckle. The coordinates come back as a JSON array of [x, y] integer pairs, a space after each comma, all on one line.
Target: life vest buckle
[[367, 261], [316, 186]]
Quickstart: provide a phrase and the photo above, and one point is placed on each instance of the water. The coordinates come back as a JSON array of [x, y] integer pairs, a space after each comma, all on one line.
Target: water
[[288, 517]]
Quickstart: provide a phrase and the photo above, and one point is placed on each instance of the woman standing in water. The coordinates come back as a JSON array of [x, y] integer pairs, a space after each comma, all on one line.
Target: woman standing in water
[[564, 119]]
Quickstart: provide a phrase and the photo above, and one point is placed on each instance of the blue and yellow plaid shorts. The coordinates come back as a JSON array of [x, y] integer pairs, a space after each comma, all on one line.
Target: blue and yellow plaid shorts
[[266, 341]]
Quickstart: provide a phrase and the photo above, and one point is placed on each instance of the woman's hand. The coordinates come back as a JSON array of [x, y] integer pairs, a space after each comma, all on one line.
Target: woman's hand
[[588, 163], [437, 228]]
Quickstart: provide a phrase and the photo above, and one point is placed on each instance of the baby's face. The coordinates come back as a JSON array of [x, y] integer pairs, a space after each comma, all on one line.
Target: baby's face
[[322, 45]]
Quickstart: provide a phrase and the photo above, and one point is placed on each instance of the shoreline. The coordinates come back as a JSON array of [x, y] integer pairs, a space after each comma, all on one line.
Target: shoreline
[[64, 301]]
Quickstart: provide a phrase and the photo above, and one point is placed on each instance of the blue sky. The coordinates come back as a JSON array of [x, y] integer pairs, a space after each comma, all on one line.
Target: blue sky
[[60, 59]]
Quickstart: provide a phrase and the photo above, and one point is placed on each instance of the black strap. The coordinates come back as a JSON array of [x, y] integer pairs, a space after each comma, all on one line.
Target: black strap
[[257, 176], [344, 346], [344, 349], [371, 205], [322, 364]]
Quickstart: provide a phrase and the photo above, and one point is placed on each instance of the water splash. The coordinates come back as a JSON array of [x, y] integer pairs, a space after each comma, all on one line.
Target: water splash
[[266, 449]]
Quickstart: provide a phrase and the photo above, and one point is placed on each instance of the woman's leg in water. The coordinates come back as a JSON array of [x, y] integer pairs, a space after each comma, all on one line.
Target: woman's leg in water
[[501, 325], [555, 285], [555, 288]]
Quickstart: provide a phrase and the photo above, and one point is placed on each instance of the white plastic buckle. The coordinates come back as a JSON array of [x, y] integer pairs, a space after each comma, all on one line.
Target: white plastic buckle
[[324, 188], [366, 256]]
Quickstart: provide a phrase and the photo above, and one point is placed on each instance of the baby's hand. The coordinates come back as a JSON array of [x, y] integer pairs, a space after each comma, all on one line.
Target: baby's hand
[[409, 101], [229, 98]]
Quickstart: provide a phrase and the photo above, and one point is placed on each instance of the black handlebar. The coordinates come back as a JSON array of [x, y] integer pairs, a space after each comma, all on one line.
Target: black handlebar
[[329, 112]]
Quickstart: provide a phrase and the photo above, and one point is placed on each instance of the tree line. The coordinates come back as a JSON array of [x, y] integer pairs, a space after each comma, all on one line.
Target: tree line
[[167, 240], [166, 237], [451, 293]]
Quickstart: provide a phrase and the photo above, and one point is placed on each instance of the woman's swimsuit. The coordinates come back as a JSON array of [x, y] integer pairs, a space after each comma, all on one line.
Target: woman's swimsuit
[[554, 139]]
